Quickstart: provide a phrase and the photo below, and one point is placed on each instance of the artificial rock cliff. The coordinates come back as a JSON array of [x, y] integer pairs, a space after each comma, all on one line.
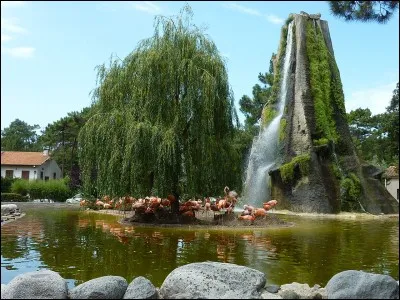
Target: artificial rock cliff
[[319, 168]]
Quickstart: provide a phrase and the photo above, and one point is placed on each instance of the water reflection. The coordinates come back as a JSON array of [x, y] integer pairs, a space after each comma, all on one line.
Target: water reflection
[[84, 246]]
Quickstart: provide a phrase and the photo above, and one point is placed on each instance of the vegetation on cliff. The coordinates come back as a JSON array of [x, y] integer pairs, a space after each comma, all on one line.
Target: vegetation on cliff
[[350, 193], [287, 170], [320, 82]]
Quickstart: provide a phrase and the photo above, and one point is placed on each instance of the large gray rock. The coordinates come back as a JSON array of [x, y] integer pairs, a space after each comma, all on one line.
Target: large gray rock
[[213, 280], [8, 208], [141, 288], [353, 284], [43, 284], [106, 287], [3, 289]]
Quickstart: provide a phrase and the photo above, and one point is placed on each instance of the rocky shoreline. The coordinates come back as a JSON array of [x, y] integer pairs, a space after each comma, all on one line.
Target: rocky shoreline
[[203, 280]]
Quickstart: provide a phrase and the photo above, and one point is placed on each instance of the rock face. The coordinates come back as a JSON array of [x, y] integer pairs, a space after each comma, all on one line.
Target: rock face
[[360, 285], [106, 287], [34, 285], [213, 280], [319, 171]]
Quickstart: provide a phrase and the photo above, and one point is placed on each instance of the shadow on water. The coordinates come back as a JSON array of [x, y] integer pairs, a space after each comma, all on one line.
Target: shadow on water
[[84, 246]]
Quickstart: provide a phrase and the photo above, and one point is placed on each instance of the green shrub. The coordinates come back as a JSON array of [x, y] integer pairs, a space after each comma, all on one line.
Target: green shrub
[[6, 183], [13, 197], [20, 186], [287, 170], [56, 190], [350, 192]]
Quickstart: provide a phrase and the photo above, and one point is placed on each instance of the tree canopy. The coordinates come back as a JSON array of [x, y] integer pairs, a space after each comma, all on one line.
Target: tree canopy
[[20, 136], [376, 137], [364, 11], [61, 138], [165, 118]]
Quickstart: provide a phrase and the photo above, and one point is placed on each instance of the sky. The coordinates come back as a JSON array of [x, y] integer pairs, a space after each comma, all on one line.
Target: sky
[[49, 50]]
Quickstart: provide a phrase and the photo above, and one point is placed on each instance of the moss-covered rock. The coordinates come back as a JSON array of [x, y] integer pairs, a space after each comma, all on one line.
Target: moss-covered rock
[[287, 170]]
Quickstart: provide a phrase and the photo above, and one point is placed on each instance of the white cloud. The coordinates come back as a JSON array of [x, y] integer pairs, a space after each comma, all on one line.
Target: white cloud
[[11, 26], [274, 19], [5, 38], [12, 3], [250, 11], [376, 98], [19, 52], [243, 9], [147, 6]]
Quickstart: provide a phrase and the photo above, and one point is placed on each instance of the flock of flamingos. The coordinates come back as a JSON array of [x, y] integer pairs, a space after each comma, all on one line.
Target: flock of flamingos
[[151, 205]]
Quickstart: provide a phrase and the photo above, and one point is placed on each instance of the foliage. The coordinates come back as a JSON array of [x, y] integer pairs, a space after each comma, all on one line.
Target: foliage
[[252, 107], [6, 183], [13, 197], [350, 192], [20, 186], [289, 19], [282, 128], [165, 118], [19, 136], [320, 82], [287, 170], [61, 138], [364, 11], [320, 142], [376, 137], [56, 190], [269, 113]]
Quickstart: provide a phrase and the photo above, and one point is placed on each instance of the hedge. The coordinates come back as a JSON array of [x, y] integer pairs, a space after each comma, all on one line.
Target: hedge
[[13, 197], [56, 190]]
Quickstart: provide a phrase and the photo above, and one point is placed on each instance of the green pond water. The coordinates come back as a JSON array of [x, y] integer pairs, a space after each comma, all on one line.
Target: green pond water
[[82, 246]]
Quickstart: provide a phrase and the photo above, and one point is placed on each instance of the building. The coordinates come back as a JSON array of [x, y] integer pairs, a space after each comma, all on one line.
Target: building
[[391, 180], [29, 165]]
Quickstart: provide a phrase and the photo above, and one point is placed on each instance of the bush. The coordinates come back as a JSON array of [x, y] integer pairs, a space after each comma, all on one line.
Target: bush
[[13, 197], [6, 183], [56, 190], [20, 186]]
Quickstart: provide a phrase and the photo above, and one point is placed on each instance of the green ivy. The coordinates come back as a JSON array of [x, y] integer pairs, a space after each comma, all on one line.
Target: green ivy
[[287, 170], [320, 142], [351, 191], [282, 128], [320, 82]]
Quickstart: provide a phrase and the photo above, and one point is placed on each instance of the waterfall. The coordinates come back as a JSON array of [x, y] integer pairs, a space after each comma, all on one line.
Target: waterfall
[[264, 151]]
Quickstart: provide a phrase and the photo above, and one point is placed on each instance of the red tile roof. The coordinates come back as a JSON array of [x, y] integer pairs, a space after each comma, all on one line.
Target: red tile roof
[[391, 172], [23, 158]]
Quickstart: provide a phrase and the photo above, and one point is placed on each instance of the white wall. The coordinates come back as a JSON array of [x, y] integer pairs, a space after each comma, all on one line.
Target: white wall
[[392, 185], [48, 168]]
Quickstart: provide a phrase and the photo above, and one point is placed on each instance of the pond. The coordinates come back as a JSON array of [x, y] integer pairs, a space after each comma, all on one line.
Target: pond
[[82, 246]]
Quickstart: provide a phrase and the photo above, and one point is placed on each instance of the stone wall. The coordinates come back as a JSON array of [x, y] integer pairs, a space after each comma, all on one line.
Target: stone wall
[[204, 280]]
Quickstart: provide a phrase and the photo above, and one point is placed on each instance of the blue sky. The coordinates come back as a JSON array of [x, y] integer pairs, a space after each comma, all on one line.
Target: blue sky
[[49, 49]]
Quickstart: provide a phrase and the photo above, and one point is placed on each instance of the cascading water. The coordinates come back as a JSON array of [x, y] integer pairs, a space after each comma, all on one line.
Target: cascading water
[[264, 151]]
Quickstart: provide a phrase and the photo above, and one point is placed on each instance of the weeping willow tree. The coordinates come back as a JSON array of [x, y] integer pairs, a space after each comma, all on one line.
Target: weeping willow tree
[[164, 118]]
